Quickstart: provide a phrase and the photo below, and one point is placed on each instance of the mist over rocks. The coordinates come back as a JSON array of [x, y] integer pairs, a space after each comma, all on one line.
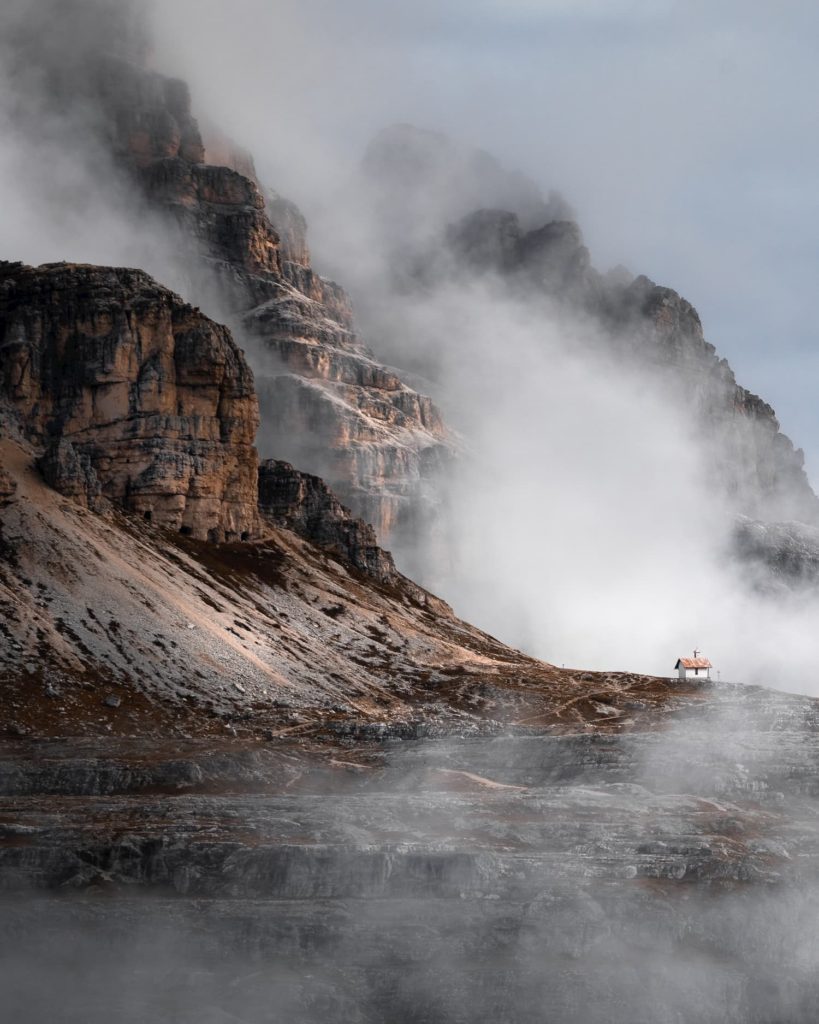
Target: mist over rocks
[[665, 874], [416, 181], [779, 556], [748, 457], [249, 771], [613, 416], [536, 255], [240, 252]]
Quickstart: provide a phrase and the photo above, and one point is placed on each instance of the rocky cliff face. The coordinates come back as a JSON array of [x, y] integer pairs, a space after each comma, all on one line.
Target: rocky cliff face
[[326, 404], [121, 397], [131, 395]]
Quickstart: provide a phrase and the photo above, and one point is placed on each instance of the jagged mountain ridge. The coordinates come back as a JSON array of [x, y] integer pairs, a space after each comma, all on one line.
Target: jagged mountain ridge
[[327, 405], [546, 266]]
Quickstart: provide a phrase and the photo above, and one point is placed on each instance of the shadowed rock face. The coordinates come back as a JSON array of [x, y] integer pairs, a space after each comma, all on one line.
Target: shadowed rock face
[[8, 488], [70, 472], [751, 461], [303, 503], [133, 394], [779, 556]]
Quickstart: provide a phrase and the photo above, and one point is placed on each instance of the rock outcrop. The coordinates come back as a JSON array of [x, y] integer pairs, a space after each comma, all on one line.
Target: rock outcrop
[[8, 488], [70, 472], [303, 503], [132, 394]]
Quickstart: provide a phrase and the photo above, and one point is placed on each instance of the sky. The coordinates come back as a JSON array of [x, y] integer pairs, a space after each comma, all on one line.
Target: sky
[[684, 134]]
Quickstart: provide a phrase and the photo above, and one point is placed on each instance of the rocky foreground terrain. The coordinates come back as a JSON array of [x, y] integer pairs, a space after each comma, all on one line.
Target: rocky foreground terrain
[[661, 869]]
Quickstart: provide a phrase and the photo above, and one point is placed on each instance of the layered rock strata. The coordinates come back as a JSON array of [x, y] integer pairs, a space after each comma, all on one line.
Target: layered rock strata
[[131, 395], [326, 404]]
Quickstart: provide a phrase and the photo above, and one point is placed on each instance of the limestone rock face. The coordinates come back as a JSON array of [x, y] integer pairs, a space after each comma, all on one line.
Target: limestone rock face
[[133, 395], [303, 503], [326, 404], [70, 472]]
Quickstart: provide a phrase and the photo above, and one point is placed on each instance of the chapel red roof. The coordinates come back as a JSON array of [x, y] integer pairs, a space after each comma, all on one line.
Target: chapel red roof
[[694, 663]]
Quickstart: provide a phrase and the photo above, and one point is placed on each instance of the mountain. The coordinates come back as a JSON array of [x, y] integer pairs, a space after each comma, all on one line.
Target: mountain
[[418, 180], [132, 396], [326, 403], [151, 560], [128, 421], [532, 254], [248, 770], [242, 775]]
